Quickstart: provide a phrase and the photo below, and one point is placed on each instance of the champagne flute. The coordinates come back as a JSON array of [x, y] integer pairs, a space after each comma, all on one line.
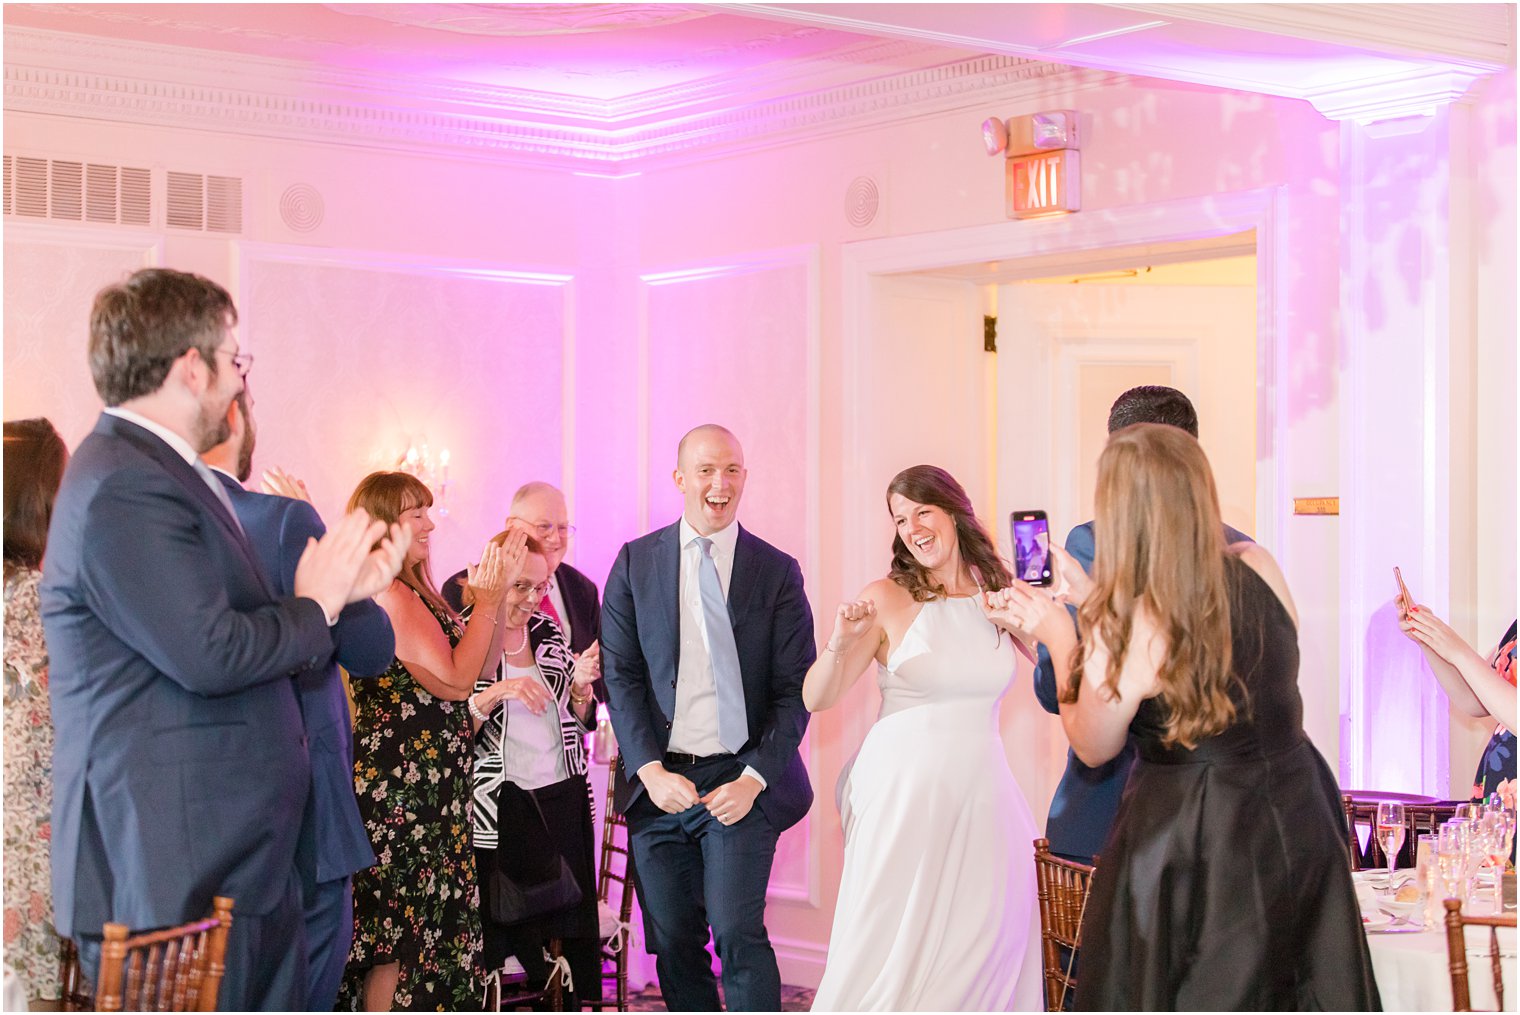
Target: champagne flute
[[1494, 838], [1390, 833]]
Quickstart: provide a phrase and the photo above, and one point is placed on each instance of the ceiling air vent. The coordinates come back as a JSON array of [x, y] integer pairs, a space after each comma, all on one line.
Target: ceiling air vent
[[206, 203], [71, 191]]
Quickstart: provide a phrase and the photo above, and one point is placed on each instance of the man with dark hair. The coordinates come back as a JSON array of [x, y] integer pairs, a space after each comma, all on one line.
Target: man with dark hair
[[1086, 800], [181, 768], [333, 842], [1153, 403]]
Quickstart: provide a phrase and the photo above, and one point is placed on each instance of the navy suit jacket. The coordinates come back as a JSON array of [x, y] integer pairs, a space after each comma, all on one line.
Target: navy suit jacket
[[334, 843], [773, 631], [180, 767], [1087, 798]]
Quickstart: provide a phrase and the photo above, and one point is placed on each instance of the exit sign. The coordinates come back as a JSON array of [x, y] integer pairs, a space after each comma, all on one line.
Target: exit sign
[[1049, 183]]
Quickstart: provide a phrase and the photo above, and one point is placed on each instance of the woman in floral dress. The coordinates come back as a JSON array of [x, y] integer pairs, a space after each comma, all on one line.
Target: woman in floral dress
[[417, 935], [1476, 686], [34, 459]]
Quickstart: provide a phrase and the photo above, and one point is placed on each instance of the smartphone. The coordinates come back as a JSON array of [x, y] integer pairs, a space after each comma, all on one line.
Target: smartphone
[[1031, 547], [1408, 599]]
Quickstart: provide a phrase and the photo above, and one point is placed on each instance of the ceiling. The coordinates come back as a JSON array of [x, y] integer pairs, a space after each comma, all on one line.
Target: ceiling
[[619, 84]]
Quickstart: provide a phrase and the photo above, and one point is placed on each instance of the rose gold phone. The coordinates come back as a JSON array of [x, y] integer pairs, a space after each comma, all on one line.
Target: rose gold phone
[[1403, 589]]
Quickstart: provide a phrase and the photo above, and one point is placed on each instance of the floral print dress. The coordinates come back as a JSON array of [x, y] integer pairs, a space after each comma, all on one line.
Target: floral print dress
[[1496, 769], [31, 946], [419, 905]]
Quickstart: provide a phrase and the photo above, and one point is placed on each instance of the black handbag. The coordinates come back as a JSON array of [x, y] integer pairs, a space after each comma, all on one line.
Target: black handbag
[[532, 879], [508, 902]]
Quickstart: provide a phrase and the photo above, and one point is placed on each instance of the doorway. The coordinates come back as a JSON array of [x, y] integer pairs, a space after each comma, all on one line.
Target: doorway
[[1083, 313]]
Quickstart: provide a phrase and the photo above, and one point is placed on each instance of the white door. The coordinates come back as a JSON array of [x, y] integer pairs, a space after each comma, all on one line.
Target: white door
[[1065, 352]]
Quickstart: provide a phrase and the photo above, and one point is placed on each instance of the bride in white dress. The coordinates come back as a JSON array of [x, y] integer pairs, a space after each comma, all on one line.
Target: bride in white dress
[[937, 906]]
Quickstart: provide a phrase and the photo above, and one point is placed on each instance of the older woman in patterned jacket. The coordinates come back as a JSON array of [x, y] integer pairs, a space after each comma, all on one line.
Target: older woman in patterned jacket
[[531, 717]]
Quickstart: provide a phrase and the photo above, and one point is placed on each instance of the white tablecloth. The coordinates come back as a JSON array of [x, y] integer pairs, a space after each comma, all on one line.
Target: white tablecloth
[[1413, 973]]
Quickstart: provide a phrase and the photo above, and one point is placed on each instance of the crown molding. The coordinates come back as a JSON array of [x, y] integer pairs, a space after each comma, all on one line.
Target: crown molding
[[1395, 98], [1483, 34], [60, 74]]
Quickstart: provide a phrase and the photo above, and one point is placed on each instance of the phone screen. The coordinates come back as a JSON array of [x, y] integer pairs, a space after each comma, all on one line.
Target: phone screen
[[1031, 547]]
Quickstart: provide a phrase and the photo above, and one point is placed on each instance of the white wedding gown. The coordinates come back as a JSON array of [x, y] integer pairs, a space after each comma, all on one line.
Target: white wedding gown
[[937, 906]]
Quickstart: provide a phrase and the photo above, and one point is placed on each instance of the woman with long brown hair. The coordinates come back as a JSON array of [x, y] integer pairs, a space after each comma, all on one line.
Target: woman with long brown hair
[[417, 934], [1223, 884], [937, 898], [35, 457]]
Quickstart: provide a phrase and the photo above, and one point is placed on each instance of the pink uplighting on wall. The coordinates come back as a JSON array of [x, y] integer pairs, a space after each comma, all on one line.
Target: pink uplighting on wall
[[554, 253]]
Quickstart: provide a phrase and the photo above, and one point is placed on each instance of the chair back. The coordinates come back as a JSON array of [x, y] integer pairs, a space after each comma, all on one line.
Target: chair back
[[178, 969], [1062, 887], [73, 993], [1456, 953], [615, 869], [1420, 818]]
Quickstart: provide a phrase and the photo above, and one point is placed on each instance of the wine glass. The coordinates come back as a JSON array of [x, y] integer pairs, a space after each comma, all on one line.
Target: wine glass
[[1451, 856], [1487, 840], [1390, 833]]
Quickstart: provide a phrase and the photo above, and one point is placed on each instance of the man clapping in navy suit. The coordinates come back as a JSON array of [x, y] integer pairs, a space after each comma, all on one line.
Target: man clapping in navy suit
[[181, 769], [706, 636], [333, 843]]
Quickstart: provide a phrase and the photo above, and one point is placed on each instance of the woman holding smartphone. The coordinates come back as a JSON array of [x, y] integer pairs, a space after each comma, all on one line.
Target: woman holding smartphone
[[1476, 686], [1223, 884]]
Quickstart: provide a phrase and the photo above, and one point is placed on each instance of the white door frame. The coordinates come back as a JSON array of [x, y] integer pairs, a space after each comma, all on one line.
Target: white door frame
[[1083, 233]]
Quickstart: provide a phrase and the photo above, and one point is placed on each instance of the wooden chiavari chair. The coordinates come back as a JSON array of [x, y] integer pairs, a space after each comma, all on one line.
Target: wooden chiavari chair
[[1062, 887], [1456, 952]]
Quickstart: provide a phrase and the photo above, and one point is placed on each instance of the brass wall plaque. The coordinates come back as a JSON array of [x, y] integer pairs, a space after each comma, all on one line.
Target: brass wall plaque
[[1316, 505]]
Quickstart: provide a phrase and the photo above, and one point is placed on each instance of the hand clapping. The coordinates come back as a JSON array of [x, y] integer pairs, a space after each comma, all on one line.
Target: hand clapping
[[588, 665], [282, 484], [329, 568], [499, 567]]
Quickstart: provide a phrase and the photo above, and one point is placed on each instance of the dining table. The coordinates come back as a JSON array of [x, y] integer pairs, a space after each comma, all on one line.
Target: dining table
[[1410, 960]]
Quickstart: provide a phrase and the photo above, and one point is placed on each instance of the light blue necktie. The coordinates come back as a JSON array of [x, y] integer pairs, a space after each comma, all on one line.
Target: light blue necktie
[[733, 726]]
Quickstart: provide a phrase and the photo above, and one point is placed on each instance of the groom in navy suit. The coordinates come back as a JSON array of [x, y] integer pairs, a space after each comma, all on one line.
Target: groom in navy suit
[[333, 842], [181, 770], [706, 636]]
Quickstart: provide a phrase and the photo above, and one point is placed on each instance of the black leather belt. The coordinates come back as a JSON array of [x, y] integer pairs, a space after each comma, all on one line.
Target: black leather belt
[[680, 758]]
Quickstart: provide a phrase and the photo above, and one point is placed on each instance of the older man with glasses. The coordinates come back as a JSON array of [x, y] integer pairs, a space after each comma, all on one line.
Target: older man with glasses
[[572, 599]]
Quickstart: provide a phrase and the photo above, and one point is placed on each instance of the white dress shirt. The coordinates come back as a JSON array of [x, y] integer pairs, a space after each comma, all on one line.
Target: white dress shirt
[[694, 727], [179, 444]]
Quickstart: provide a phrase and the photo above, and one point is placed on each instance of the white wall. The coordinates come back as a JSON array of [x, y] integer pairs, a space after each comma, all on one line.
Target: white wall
[[721, 288]]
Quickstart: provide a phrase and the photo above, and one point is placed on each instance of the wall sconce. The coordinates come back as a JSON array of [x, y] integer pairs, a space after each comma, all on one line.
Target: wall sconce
[[418, 460]]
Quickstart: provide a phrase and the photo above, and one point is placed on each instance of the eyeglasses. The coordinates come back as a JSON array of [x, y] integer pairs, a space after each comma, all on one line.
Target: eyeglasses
[[527, 589], [242, 362], [543, 530]]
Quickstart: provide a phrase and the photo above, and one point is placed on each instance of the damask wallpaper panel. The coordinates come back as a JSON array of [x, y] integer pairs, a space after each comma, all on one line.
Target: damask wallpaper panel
[[50, 284], [356, 363]]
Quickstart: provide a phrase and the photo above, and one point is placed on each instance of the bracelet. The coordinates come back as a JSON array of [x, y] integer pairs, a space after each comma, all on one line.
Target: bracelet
[[479, 716], [577, 699]]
